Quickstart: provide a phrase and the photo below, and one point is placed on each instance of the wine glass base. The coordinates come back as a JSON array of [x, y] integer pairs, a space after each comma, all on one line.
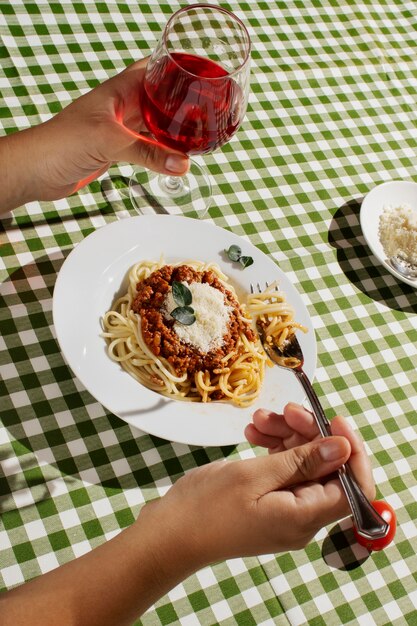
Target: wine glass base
[[152, 193]]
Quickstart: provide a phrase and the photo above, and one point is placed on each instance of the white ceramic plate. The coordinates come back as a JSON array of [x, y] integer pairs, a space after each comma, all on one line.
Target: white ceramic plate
[[94, 274], [392, 193]]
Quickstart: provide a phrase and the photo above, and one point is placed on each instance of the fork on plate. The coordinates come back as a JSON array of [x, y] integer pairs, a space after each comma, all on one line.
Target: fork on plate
[[367, 520]]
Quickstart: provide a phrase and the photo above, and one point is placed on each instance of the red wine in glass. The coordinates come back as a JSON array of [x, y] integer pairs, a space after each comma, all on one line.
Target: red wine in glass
[[191, 104]]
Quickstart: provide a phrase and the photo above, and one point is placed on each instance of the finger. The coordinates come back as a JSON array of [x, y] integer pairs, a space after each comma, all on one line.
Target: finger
[[271, 430], [359, 461], [301, 420], [257, 438], [322, 503], [309, 462], [298, 418], [153, 155], [294, 419], [274, 444], [271, 424]]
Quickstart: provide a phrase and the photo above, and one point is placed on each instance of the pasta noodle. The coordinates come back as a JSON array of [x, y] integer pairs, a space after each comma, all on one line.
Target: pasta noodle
[[276, 317], [235, 377]]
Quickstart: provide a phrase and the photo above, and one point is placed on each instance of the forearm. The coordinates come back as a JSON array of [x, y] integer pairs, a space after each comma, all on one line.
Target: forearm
[[19, 160], [112, 585]]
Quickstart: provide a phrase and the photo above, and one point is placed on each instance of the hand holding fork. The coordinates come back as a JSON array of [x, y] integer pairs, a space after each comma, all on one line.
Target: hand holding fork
[[369, 524]]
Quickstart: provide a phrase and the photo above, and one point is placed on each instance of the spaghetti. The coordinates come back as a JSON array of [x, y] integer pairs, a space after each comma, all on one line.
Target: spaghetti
[[276, 318], [162, 355]]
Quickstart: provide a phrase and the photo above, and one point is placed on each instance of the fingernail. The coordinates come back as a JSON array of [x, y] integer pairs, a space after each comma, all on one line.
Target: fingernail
[[330, 450], [175, 164]]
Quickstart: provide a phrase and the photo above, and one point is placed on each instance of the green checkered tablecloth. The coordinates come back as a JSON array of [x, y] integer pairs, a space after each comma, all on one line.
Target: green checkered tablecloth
[[332, 112]]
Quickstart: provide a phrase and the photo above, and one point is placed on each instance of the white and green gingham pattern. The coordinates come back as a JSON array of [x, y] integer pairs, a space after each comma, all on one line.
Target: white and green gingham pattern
[[332, 112]]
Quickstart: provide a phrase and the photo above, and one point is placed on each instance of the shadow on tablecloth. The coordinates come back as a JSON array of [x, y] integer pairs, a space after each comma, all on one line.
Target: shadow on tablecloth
[[340, 549], [58, 431], [360, 265]]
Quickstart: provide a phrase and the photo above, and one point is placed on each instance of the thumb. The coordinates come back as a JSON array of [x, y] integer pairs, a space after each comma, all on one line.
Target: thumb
[[305, 463], [147, 152]]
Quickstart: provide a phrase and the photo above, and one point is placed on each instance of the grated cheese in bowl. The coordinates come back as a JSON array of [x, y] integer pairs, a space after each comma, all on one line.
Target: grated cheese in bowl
[[398, 232]]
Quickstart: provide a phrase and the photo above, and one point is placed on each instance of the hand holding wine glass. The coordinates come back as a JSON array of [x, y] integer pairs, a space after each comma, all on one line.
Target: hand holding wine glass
[[194, 98], [102, 127]]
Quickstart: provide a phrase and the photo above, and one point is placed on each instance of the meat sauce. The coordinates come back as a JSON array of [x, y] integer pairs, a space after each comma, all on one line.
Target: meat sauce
[[158, 332]]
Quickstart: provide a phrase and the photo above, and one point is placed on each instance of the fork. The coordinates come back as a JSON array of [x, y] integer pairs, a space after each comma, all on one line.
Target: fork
[[367, 520]]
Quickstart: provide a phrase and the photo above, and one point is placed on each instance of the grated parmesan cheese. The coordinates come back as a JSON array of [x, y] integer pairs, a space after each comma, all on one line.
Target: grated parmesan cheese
[[212, 317], [398, 232]]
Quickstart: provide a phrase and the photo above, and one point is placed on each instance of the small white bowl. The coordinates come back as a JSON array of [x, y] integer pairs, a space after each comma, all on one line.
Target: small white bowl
[[393, 193]]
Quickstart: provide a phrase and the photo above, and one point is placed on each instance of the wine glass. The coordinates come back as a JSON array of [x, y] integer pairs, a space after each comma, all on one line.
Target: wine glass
[[194, 97]]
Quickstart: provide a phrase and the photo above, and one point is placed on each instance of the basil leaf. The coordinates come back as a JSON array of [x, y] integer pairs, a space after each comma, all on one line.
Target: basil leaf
[[245, 261], [234, 253], [184, 315], [181, 294]]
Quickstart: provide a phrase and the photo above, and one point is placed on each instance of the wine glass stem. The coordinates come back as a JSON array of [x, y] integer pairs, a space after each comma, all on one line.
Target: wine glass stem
[[173, 183]]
